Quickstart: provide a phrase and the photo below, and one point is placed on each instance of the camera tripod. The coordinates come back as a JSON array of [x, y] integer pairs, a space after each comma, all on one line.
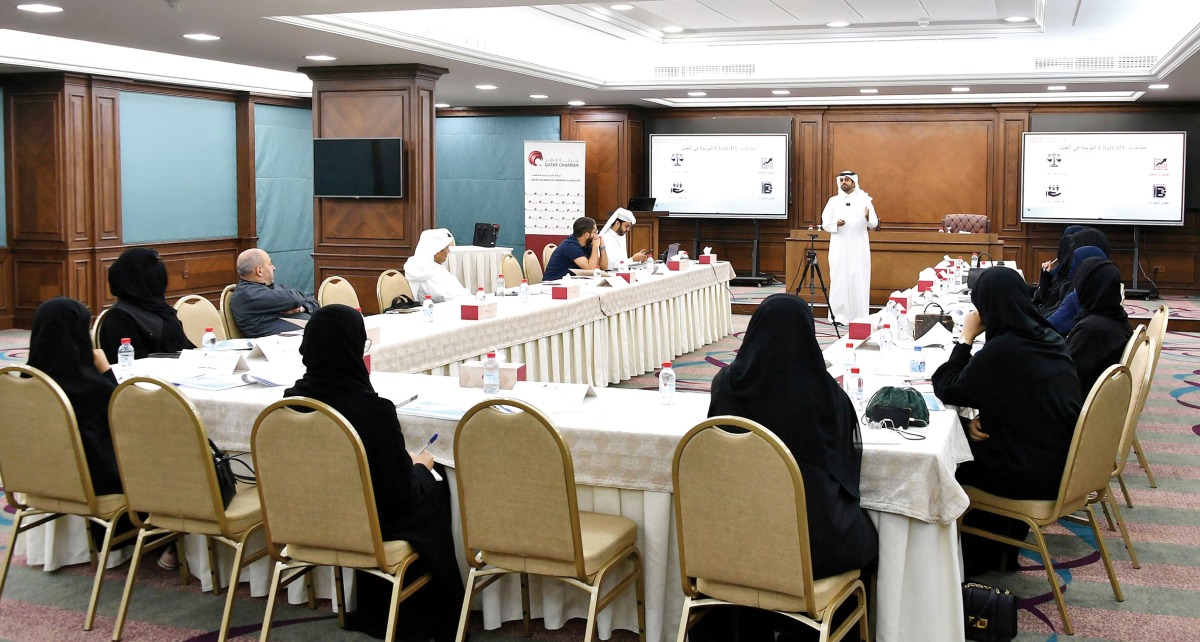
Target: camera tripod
[[812, 272]]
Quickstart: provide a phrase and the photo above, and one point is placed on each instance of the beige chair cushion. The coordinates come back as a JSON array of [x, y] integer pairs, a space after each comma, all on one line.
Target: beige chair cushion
[[242, 513], [1039, 510], [106, 505], [394, 552], [825, 589], [603, 537]]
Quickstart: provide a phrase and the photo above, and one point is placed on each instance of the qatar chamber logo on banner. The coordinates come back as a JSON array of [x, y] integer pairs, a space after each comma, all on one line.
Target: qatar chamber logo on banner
[[554, 174]]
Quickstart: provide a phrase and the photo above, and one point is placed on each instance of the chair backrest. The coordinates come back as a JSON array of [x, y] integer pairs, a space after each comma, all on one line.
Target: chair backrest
[[510, 267], [232, 331], [516, 484], [162, 451], [1097, 436], [967, 223], [41, 452], [533, 269], [766, 546], [391, 284], [197, 313], [332, 510], [1139, 358], [546, 252], [96, 328], [335, 289], [1158, 331]]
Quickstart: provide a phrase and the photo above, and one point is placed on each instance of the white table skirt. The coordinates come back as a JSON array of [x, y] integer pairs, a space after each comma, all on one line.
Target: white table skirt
[[474, 266]]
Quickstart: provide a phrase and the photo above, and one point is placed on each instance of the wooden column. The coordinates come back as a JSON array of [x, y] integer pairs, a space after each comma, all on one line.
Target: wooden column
[[359, 238]]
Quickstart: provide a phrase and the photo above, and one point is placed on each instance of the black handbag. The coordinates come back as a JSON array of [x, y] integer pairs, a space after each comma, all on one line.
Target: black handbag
[[403, 302], [911, 402], [485, 234], [991, 613], [222, 462], [974, 273], [925, 321]]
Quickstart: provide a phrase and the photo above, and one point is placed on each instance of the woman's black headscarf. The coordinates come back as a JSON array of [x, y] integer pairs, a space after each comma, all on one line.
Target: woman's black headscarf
[[1098, 285], [1002, 299], [779, 380], [139, 279], [1090, 236], [333, 354]]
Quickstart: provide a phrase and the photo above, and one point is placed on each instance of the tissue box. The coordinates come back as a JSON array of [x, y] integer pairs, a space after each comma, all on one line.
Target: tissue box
[[470, 374], [859, 329], [680, 264], [924, 285], [478, 310], [564, 291], [708, 259], [901, 300]]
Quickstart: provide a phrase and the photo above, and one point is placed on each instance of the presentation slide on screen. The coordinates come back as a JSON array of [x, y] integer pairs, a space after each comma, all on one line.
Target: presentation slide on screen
[[720, 175], [1128, 177]]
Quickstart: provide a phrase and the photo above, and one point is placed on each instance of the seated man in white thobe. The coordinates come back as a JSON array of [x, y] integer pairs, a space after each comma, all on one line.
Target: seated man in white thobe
[[616, 239], [425, 269]]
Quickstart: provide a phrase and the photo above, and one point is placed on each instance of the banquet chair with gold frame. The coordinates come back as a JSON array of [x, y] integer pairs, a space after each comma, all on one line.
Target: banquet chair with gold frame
[[326, 519], [335, 289], [519, 512], [533, 269], [765, 560], [1138, 356], [232, 331], [1085, 481], [197, 313], [1157, 331], [546, 252], [96, 328], [42, 459], [389, 285], [510, 267], [167, 470]]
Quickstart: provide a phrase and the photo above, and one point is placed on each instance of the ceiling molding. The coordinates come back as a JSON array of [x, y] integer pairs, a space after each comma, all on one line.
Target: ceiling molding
[[922, 99]]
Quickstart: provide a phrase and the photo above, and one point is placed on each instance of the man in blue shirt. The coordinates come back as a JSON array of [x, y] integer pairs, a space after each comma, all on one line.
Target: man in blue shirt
[[584, 250], [259, 306]]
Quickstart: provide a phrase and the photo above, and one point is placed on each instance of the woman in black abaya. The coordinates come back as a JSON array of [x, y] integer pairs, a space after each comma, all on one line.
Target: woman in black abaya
[[411, 504], [1102, 328], [1024, 385], [139, 280]]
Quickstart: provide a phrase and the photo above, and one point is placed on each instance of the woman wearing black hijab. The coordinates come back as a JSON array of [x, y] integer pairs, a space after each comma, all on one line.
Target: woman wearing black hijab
[[411, 504], [1054, 272], [139, 280], [779, 380], [1023, 384], [60, 346], [1102, 327]]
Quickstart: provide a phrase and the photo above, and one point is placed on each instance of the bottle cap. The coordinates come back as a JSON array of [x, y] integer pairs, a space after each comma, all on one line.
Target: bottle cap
[[525, 281], [491, 355], [125, 340], [208, 329], [854, 371], [849, 345], [666, 364], [430, 296], [917, 348], [887, 326]]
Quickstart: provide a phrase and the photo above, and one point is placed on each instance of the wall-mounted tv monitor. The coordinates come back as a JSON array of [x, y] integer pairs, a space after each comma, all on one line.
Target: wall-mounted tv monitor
[[1126, 178], [720, 175], [358, 167]]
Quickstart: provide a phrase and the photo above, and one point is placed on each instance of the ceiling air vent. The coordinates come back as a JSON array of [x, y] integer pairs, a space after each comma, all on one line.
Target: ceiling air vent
[[684, 72], [1093, 63]]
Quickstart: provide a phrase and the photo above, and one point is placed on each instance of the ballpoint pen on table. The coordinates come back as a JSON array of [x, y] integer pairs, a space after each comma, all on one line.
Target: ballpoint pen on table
[[407, 401]]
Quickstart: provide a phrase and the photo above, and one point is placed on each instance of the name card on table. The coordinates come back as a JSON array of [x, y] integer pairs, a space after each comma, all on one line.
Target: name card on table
[[860, 328], [213, 362], [278, 349], [618, 281]]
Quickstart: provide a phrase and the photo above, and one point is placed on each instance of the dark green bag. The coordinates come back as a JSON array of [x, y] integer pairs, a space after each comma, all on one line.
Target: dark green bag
[[901, 397]]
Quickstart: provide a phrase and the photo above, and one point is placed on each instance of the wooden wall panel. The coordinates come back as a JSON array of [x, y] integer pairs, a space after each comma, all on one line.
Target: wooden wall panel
[[106, 163], [806, 205], [193, 267], [917, 172], [602, 176], [6, 293], [76, 164], [362, 114], [35, 140], [37, 280]]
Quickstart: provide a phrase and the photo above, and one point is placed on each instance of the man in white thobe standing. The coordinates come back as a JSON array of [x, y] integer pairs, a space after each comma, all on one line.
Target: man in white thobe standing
[[846, 217]]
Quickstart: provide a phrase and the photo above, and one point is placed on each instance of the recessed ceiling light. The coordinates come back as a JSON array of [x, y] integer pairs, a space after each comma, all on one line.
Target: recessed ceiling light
[[538, 96], [485, 87], [39, 8], [441, 105], [868, 91], [837, 23], [1056, 88], [576, 103], [1159, 86], [697, 94], [672, 29], [201, 36], [960, 89], [621, 7], [321, 58], [1017, 19], [780, 92]]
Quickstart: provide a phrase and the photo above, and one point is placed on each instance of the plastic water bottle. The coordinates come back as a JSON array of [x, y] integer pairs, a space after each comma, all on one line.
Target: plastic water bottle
[[480, 295], [916, 365], [524, 291], [499, 285], [974, 259], [491, 375], [427, 308], [848, 357], [854, 388], [208, 342], [666, 384], [884, 338], [903, 327], [125, 355]]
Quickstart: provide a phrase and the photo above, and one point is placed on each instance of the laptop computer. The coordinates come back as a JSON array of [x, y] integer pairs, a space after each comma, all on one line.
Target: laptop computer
[[641, 204], [672, 250]]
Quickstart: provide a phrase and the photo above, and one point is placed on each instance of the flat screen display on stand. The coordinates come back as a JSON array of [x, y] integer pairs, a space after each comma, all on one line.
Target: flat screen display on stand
[[720, 175], [358, 167], [1109, 178]]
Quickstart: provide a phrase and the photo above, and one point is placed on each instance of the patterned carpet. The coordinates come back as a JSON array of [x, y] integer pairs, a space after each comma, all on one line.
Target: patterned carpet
[[1162, 599]]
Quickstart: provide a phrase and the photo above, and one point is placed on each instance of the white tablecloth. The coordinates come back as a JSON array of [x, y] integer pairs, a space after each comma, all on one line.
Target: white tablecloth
[[475, 266]]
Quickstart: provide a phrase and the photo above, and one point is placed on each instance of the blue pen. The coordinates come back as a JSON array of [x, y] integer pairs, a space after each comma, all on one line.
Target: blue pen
[[428, 443]]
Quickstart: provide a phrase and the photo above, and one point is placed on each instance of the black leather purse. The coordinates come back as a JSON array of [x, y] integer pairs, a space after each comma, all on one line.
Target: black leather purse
[[222, 462], [403, 302], [991, 613], [974, 273], [485, 234]]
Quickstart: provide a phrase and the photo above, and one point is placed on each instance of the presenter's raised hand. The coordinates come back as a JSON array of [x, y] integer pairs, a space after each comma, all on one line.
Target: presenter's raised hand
[[867, 213], [841, 222]]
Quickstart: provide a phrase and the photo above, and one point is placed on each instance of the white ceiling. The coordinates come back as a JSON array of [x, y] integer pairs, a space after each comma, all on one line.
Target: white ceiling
[[736, 51]]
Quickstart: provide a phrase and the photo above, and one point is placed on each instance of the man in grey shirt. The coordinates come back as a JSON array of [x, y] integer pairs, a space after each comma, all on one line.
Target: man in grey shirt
[[260, 307]]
